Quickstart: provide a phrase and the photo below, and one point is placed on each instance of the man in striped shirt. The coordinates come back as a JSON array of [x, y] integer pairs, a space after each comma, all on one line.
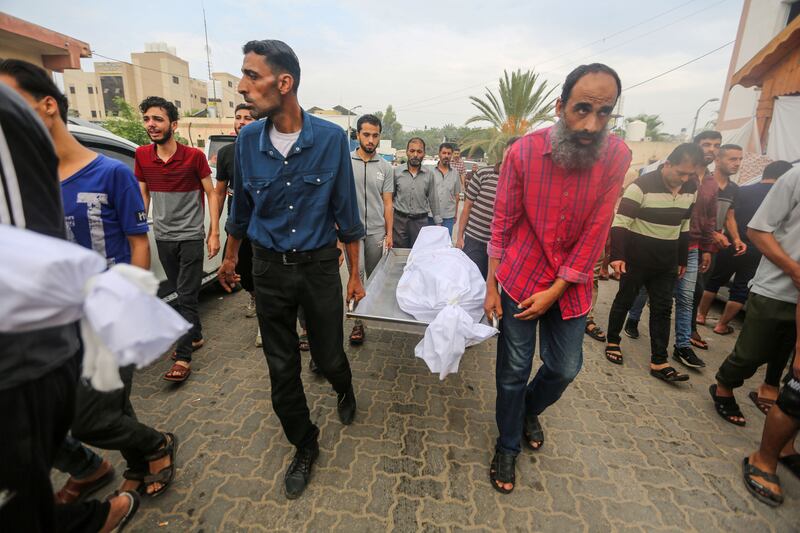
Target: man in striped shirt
[[474, 226], [650, 247]]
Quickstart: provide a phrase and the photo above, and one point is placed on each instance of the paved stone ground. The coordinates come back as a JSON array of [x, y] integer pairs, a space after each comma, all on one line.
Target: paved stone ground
[[624, 451]]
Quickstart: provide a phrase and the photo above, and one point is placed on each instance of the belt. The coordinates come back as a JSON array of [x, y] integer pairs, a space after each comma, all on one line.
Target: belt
[[409, 215], [296, 258]]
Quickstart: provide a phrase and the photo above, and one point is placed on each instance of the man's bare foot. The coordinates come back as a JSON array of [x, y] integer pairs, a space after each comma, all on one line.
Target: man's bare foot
[[701, 319], [121, 507]]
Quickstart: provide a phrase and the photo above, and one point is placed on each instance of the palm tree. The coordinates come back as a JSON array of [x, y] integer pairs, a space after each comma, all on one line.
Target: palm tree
[[653, 128], [524, 103]]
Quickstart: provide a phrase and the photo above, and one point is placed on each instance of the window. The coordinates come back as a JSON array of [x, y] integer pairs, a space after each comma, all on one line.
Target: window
[[71, 89], [230, 84], [94, 114], [203, 100], [175, 80], [178, 104], [91, 89], [230, 104]]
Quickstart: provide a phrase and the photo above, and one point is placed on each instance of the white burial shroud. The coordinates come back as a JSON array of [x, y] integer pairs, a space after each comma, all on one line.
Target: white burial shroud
[[442, 286], [47, 282]]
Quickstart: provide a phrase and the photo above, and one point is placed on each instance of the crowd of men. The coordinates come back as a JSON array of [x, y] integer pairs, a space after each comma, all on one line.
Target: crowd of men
[[536, 224]]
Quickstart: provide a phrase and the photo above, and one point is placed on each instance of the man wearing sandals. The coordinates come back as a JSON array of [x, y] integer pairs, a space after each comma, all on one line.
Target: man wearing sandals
[[650, 248], [768, 335], [295, 198], [39, 370], [555, 200]]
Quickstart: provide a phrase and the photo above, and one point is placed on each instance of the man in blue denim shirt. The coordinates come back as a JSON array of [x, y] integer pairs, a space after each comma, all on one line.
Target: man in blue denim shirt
[[294, 195]]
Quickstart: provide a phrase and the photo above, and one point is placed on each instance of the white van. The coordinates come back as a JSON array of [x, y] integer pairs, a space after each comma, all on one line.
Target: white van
[[103, 141]]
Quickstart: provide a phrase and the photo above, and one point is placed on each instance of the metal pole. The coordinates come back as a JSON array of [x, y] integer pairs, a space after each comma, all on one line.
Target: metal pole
[[697, 114]]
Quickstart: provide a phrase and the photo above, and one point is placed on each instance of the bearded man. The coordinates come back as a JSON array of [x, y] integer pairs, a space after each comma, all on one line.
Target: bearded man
[[555, 200]]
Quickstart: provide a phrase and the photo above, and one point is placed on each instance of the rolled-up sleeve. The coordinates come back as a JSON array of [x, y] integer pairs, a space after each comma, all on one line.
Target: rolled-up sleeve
[[344, 202], [508, 203], [242, 205]]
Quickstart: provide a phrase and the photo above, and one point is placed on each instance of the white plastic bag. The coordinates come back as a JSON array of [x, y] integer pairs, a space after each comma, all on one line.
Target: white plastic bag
[[442, 286]]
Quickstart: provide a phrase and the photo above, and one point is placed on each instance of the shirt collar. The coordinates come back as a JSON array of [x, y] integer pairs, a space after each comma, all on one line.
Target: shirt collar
[[177, 156], [305, 140]]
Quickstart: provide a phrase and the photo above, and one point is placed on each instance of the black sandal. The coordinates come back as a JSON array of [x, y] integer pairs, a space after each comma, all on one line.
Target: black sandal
[[614, 353], [594, 331], [167, 474], [669, 374], [503, 469], [726, 407], [762, 493], [532, 431]]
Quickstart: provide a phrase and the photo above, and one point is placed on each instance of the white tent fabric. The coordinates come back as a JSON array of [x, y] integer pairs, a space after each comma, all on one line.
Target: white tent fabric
[[442, 286], [48, 282], [783, 141]]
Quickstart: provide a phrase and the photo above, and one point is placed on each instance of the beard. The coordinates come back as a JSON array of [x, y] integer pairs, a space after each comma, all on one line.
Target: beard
[[414, 161], [165, 138], [569, 153], [367, 149]]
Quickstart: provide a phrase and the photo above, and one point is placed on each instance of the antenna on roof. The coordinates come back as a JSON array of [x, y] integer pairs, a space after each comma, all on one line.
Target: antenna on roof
[[208, 61]]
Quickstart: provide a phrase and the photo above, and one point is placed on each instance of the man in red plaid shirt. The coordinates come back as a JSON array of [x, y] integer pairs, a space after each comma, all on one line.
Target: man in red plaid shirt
[[555, 201]]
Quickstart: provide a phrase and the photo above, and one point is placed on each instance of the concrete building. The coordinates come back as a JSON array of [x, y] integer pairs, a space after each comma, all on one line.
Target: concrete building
[[20, 39], [761, 21], [158, 71]]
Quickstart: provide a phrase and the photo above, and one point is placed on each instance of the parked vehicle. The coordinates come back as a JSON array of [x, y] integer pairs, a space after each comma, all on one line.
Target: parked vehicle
[[104, 142]]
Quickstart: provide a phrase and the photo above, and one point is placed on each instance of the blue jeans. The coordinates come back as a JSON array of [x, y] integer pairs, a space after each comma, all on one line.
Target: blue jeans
[[561, 346], [446, 222], [684, 294], [76, 459]]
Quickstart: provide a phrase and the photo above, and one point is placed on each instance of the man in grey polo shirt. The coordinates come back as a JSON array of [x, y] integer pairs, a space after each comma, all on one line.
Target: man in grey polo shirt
[[448, 186], [414, 197], [374, 178], [769, 333]]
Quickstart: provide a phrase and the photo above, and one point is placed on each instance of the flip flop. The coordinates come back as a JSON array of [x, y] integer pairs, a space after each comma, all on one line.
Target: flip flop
[[134, 506], [728, 331], [698, 342]]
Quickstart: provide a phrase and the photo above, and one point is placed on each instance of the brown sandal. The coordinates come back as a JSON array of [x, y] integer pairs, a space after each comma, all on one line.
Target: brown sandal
[[178, 373], [357, 335], [763, 404], [75, 490]]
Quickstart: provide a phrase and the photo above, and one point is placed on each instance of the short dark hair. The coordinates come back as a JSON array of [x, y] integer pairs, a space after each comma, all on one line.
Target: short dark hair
[[776, 169], [163, 103], [415, 140], [708, 134], [35, 81], [512, 140], [279, 56], [245, 105], [369, 119], [583, 70], [447, 145], [685, 151], [725, 147]]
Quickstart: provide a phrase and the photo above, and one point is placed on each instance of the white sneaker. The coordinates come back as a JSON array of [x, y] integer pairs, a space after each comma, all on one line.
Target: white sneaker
[[258, 338], [250, 312]]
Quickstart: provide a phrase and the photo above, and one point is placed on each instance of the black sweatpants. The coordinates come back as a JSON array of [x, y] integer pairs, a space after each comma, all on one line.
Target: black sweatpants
[[280, 289], [35, 418], [183, 265]]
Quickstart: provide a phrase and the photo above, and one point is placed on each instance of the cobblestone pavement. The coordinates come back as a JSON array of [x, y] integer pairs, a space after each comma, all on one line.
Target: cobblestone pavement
[[624, 451]]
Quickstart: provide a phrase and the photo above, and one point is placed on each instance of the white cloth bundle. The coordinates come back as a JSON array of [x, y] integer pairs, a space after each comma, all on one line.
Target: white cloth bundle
[[47, 282], [442, 286]]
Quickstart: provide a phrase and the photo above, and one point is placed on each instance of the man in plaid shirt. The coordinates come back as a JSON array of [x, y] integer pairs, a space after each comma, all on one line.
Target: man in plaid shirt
[[555, 200]]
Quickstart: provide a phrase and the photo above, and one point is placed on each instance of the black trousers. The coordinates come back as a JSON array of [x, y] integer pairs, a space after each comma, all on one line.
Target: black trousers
[[280, 289], [244, 265], [183, 265], [107, 420], [476, 250], [406, 230], [35, 418], [660, 285]]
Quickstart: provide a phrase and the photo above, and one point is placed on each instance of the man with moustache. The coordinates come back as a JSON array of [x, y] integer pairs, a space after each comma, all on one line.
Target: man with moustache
[[175, 176], [414, 196], [296, 197], [374, 180], [448, 186], [555, 198]]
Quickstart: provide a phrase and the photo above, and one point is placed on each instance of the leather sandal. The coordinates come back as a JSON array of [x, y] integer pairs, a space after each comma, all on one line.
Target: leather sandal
[[178, 373], [166, 474], [76, 490]]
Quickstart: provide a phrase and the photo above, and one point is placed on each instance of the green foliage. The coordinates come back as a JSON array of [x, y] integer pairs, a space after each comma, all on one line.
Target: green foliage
[[433, 137], [524, 102], [654, 124], [127, 123], [391, 129]]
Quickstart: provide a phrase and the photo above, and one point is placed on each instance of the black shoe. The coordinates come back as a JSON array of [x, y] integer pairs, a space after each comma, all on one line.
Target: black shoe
[[632, 328], [346, 405], [687, 357], [312, 366], [299, 471]]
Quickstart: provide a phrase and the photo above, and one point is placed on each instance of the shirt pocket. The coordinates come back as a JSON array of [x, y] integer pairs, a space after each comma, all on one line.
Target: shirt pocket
[[259, 190], [317, 187]]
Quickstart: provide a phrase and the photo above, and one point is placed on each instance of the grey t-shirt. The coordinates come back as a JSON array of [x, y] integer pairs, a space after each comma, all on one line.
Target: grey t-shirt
[[779, 214], [448, 187], [373, 178]]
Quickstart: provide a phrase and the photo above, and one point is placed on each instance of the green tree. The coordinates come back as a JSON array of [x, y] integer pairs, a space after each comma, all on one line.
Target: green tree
[[523, 103], [391, 128], [654, 124]]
